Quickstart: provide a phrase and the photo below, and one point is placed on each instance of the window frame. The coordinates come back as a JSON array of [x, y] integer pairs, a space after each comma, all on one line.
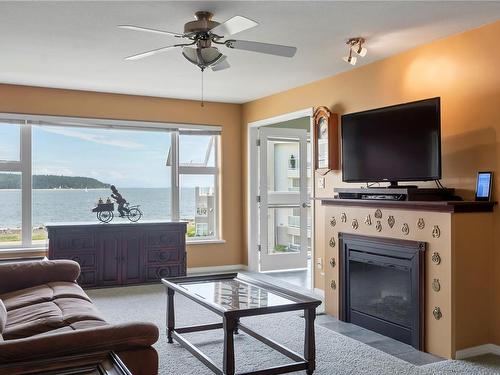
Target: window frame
[[24, 165]]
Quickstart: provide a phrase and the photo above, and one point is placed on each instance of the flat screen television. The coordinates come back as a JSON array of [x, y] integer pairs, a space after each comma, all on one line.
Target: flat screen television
[[396, 143]]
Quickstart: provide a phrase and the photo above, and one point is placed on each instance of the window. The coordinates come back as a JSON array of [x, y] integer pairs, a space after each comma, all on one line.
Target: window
[[57, 172], [198, 181], [201, 229]]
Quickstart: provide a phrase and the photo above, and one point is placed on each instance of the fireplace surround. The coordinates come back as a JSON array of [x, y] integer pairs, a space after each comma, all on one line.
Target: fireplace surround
[[382, 286], [459, 242]]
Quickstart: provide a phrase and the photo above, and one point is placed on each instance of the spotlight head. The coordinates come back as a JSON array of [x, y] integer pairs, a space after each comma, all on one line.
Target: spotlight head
[[350, 59], [356, 45], [360, 50]]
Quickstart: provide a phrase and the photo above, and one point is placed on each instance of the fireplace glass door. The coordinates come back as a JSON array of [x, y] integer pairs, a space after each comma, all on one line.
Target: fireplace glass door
[[381, 291]]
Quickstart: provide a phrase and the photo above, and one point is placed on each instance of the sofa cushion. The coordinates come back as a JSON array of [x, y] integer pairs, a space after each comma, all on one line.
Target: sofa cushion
[[42, 293], [3, 317], [48, 316], [84, 324]]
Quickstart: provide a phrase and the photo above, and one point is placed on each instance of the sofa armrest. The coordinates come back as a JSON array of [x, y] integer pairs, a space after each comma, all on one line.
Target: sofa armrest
[[106, 338], [21, 275]]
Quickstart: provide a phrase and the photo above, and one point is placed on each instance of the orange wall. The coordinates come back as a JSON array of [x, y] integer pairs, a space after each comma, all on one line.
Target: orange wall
[[462, 70], [33, 100]]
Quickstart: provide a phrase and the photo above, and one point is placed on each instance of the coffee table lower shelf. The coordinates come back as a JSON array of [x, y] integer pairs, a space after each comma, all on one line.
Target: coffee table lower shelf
[[299, 364]]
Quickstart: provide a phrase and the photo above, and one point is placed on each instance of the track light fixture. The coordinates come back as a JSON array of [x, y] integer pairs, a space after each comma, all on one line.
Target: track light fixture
[[356, 46], [350, 59]]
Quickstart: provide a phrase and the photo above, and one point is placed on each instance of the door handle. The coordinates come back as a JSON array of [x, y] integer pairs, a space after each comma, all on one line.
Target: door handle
[[305, 205]]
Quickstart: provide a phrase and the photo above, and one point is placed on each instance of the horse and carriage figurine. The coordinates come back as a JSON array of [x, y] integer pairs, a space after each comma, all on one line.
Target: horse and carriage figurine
[[105, 210]]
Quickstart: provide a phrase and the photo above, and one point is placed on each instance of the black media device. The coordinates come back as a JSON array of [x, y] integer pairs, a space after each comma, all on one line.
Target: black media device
[[484, 182], [392, 144]]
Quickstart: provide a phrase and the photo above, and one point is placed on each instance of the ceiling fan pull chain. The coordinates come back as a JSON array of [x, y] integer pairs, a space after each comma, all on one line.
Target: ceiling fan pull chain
[[202, 99]]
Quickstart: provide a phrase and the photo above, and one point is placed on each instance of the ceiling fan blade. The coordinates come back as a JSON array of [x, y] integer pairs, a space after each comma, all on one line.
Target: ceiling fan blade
[[149, 53], [270, 49], [233, 25], [149, 30], [221, 65]]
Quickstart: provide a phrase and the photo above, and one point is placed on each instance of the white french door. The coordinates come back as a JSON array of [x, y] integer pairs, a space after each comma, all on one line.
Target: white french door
[[284, 199]]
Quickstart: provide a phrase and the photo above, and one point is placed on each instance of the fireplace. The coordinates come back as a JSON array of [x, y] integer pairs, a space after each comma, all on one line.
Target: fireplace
[[382, 286]]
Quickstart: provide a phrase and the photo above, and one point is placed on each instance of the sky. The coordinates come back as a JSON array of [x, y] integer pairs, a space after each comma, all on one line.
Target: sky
[[125, 158]]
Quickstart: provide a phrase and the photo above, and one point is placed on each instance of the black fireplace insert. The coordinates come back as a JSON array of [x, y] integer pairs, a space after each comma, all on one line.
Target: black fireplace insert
[[382, 286]]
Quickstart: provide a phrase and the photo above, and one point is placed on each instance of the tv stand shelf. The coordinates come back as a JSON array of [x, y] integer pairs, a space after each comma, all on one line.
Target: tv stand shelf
[[436, 206]]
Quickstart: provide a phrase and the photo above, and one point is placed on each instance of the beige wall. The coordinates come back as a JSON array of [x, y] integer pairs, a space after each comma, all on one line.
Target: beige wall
[[33, 100], [462, 70]]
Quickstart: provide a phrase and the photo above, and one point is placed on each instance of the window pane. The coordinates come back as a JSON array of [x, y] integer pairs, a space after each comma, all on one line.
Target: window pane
[[198, 205], [10, 141], [284, 230], [282, 227], [197, 150], [10, 220], [283, 173], [74, 167]]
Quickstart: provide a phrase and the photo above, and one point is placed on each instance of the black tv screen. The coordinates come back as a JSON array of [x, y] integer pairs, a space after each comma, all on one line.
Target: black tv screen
[[397, 143]]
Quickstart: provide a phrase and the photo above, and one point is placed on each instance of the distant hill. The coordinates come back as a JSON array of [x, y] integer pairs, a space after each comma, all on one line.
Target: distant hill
[[13, 181]]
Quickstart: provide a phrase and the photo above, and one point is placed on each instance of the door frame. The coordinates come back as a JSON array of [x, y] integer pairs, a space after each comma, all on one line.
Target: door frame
[[253, 184]]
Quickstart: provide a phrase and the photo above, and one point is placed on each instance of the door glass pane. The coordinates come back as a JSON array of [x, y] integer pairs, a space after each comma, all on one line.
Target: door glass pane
[[283, 171], [10, 220], [198, 205], [73, 168], [283, 228], [197, 150], [10, 141]]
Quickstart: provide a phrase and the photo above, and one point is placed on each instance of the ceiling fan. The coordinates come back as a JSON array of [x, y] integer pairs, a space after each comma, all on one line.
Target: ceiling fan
[[204, 34]]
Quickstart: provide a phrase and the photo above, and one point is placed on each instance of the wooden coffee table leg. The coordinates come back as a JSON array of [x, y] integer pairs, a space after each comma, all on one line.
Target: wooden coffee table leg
[[309, 340], [170, 314], [229, 325]]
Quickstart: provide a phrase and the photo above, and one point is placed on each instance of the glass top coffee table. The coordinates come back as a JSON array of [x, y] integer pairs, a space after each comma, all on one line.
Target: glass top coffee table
[[233, 296]]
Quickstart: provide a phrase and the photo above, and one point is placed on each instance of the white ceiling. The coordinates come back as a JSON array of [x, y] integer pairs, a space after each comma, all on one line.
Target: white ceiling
[[77, 45]]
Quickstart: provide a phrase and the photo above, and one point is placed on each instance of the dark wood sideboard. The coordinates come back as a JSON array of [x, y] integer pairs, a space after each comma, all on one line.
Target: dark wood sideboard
[[121, 254]]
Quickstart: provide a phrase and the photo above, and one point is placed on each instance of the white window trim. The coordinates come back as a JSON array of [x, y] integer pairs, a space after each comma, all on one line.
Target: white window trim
[[24, 165]]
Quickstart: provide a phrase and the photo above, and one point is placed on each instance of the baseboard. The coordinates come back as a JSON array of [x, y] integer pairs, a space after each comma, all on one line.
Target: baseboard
[[477, 350], [228, 268]]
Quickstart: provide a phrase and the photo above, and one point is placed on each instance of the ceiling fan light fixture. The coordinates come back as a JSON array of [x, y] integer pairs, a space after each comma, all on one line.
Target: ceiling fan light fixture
[[202, 57]]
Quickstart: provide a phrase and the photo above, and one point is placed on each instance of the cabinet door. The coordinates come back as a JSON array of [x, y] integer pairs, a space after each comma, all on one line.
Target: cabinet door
[[110, 259], [132, 255]]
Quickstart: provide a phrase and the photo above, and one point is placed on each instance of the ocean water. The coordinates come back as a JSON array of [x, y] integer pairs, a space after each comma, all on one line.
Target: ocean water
[[73, 205]]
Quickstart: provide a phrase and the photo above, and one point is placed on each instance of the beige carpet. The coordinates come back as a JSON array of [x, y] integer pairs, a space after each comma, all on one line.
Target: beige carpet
[[336, 353]]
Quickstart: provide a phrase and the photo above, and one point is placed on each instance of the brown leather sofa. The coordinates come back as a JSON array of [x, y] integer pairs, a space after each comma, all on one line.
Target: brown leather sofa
[[44, 314]]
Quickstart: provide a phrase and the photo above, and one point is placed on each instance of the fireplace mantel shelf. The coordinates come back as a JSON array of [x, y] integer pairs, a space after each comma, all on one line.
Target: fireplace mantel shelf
[[435, 206]]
